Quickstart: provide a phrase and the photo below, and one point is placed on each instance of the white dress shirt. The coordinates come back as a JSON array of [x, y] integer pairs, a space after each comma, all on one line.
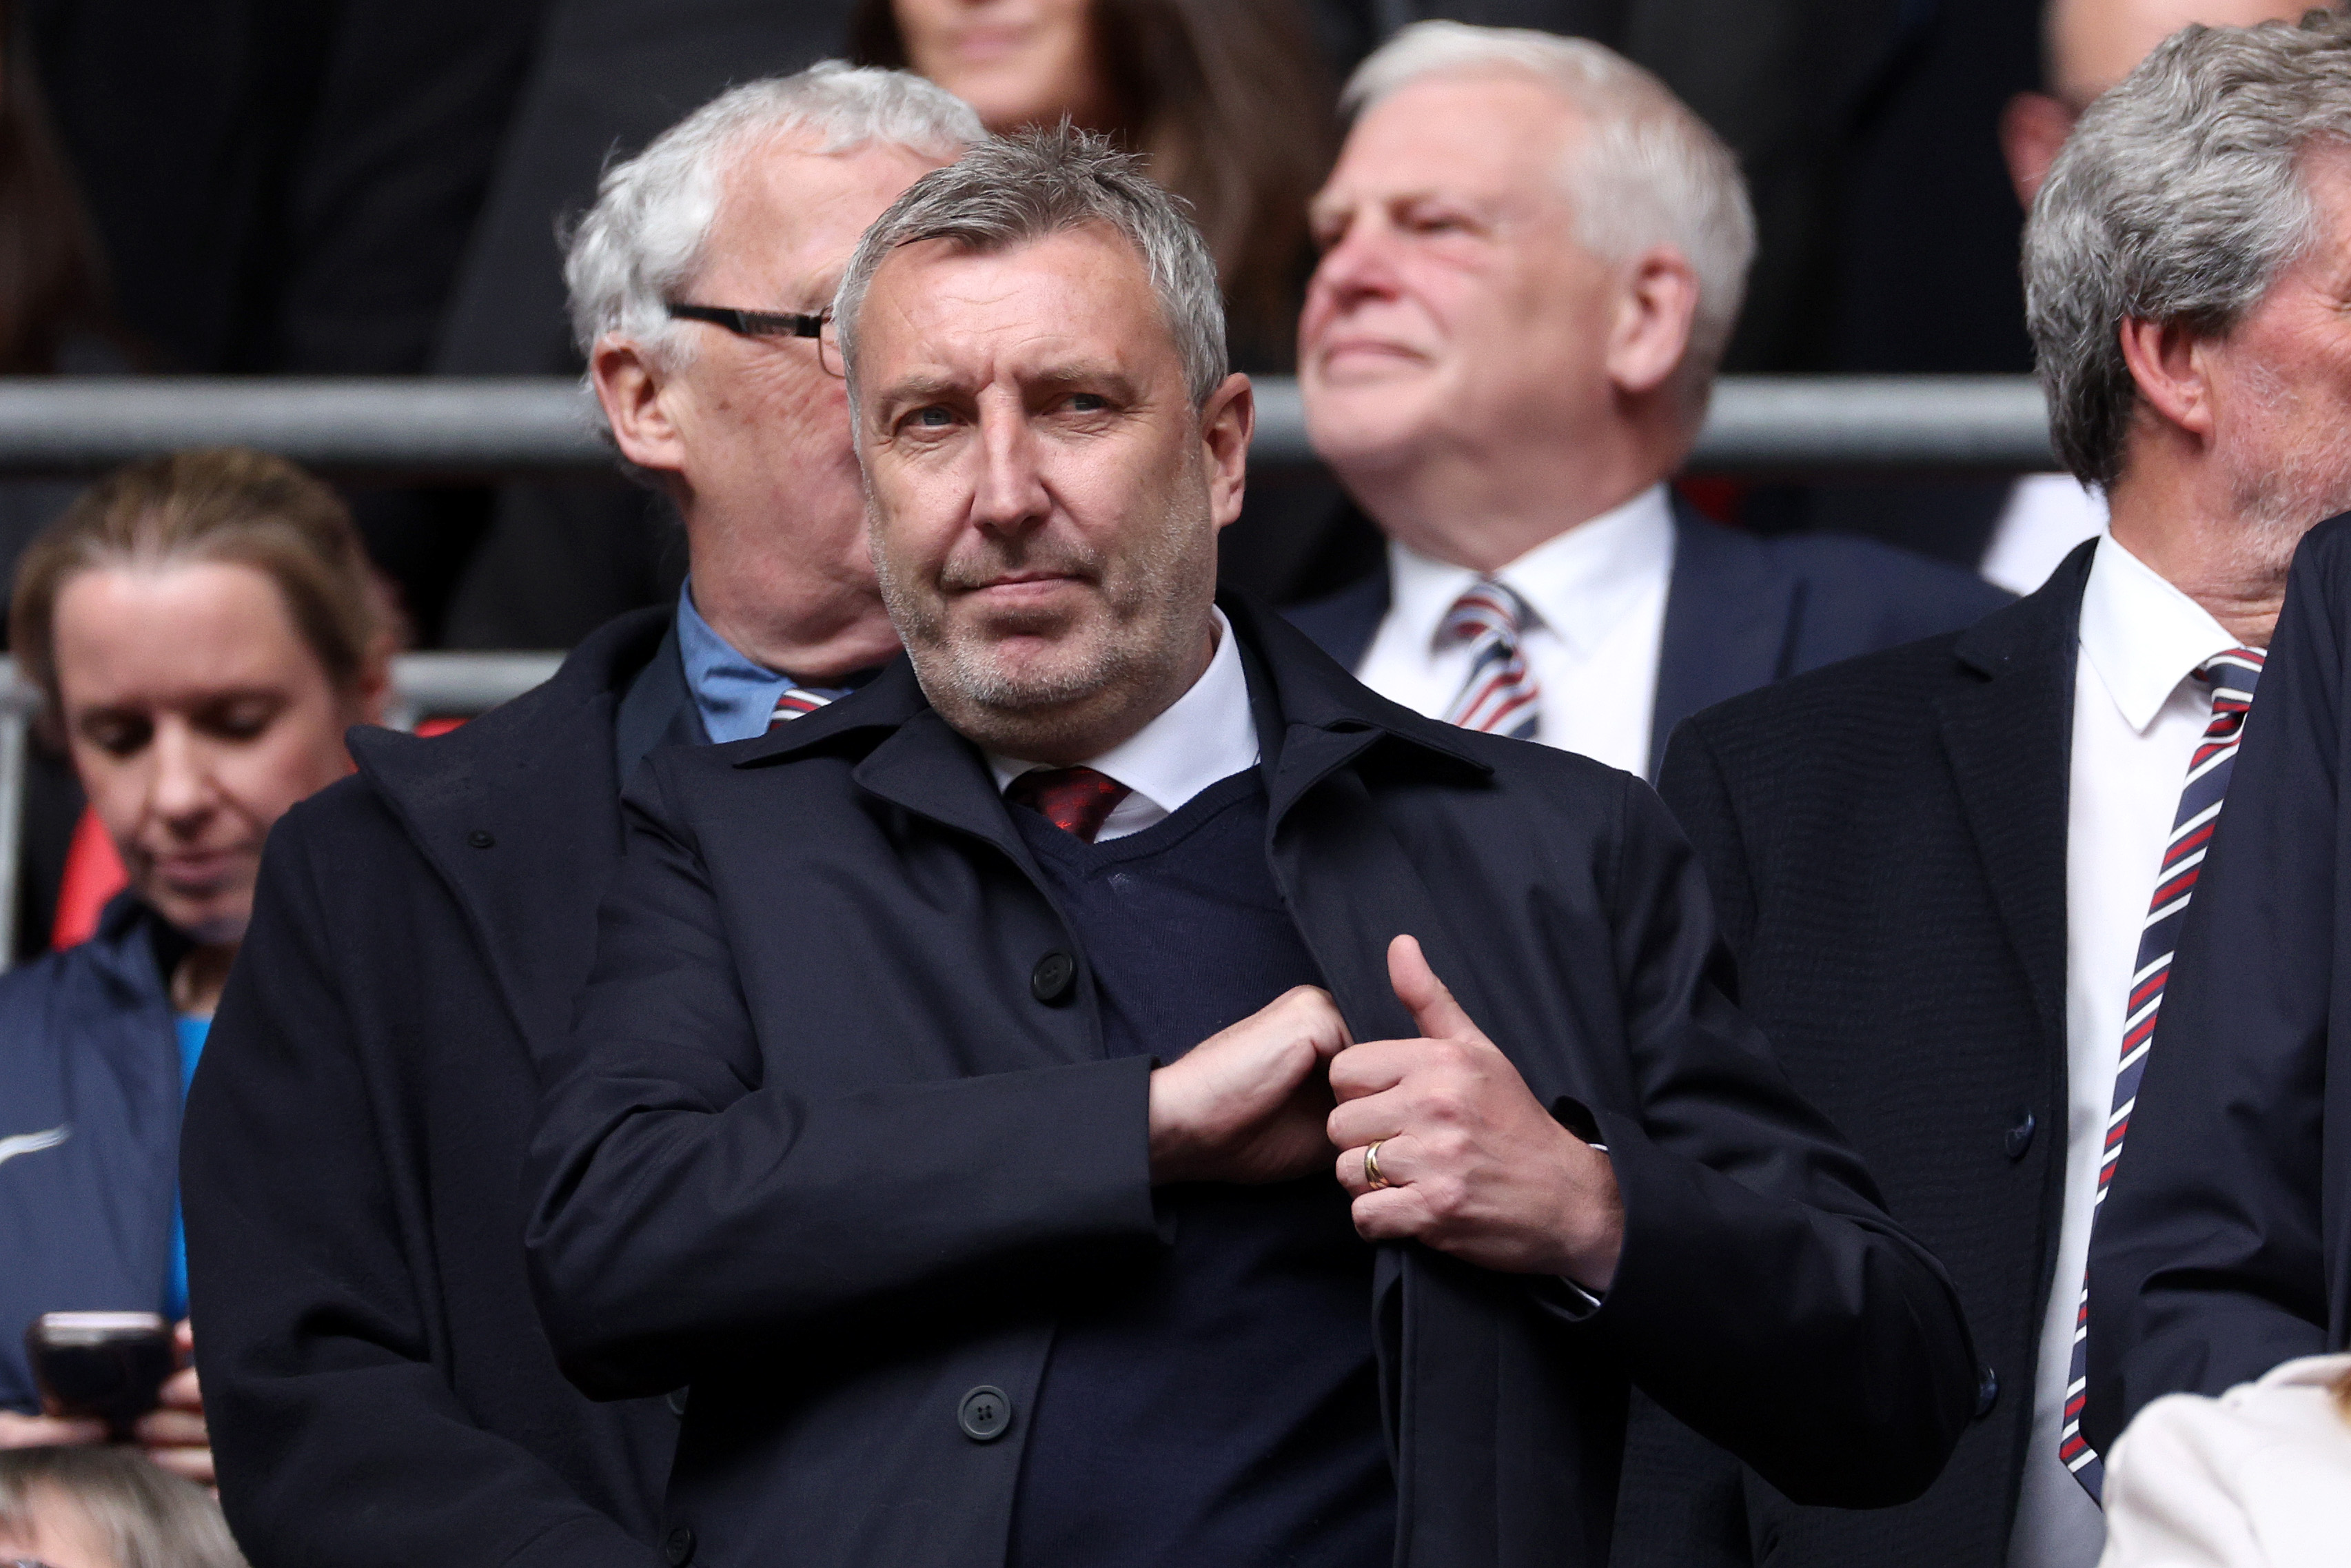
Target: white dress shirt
[[1207, 735], [2259, 1477], [2137, 716], [1598, 594], [2046, 516]]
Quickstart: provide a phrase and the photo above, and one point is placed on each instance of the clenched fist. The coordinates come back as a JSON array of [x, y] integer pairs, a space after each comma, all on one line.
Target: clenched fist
[[1247, 1104]]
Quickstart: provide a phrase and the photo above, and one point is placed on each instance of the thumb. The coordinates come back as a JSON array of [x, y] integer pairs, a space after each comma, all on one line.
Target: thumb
[[1434, 1011]]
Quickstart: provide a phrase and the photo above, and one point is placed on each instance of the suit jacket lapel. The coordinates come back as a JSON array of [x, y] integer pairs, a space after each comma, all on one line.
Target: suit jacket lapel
[[1730, 614], [2009, 738], [540, 778]]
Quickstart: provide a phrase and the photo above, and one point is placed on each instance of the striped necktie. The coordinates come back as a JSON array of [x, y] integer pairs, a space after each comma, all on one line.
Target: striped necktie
[[1500, 696], [2231, 676], [798, 701]]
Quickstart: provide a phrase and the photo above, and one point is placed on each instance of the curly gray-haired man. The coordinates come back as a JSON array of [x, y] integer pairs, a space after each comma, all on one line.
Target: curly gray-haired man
[[1953, 872]]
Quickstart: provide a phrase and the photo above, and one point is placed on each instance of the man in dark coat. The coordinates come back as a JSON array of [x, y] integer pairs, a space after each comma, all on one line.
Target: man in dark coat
[[2222, 1248], [953, 1104], [1504, 363], [1949, 872], [380, 1390]]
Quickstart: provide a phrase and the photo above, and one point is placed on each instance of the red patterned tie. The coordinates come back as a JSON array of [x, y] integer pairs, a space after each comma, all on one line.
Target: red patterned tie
[[1075, 799]]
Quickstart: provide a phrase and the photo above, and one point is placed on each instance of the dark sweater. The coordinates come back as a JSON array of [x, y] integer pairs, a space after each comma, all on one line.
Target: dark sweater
[[1218, 1402]]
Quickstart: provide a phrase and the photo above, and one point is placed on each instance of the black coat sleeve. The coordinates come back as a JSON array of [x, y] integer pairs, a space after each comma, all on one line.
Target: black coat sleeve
[[2208, 1265], [1763, 1297], [338, 1440], [662, 1154]]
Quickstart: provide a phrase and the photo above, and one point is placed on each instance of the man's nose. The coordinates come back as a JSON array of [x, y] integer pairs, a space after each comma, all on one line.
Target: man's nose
[[1360, 266], [1011, 497]]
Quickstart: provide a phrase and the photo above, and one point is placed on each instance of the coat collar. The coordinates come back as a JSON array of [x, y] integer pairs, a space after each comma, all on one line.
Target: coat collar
[[539, 777], [2008, 734], [1314, 717]]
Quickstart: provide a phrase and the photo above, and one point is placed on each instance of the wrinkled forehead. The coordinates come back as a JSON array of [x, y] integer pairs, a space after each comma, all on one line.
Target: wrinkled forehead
[[949, 312], [1494, 134]]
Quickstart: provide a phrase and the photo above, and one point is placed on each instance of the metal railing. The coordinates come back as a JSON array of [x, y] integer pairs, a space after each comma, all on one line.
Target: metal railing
[[451, 428], [424, 685]]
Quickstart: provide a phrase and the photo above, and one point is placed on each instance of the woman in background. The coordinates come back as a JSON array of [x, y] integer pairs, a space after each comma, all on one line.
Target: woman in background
[[204, 627], [1229, 100]]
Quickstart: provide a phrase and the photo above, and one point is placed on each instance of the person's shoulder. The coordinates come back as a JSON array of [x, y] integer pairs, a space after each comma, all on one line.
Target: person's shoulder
[[1840, 562], [1893, 685]]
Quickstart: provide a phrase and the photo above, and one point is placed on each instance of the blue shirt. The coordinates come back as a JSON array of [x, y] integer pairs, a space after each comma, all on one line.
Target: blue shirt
[[735, 696], [191, 1031]]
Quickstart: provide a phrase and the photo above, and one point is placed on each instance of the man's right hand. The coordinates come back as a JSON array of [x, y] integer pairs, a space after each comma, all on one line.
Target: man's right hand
[[1249, 1104]]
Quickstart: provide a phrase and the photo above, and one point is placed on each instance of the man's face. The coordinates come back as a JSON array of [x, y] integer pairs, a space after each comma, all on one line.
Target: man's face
[[2280, 382], [754, 432], [1453, 303], [1045, 498]]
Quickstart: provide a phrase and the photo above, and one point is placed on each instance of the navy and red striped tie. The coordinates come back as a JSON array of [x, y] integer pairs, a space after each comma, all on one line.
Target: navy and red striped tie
[[1500, 696], [2231, 676], [799, 701]]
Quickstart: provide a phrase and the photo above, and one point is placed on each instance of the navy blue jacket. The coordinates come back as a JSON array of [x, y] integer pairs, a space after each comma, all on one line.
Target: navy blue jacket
[[89, 1131], [380, 1392], [2224, 1245], [832, 1143], [1741, 612]]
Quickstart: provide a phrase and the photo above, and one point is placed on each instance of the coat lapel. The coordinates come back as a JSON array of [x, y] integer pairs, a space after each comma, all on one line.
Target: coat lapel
[[519, 813], [2009, 737], [1730, 616]]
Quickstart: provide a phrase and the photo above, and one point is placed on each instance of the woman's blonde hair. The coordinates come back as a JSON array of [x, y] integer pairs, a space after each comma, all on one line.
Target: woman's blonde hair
[[146, 1517], [228, 504]]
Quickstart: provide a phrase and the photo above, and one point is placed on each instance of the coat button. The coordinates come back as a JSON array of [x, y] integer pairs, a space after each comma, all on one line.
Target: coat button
[[2019, 1138], [481, 839], [677, 1547], [984, 1413], [1054, 977], [1987, 1391]]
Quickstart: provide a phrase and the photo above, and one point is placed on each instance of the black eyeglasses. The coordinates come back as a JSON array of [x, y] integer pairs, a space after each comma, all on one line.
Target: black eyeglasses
[[770, 324]]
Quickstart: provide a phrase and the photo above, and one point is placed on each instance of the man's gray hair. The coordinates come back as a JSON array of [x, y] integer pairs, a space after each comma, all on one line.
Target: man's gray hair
[[1649, 173], [2179, 198], [1034, 184], [643, 239]]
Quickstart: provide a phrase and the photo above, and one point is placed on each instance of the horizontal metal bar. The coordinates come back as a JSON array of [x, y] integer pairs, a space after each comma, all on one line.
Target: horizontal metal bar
[[450, 427], [424, 685]]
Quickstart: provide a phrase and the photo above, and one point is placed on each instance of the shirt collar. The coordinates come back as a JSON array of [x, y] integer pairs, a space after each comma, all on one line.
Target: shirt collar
[[2141, 634], [735, 696], [1577, 582], [1206, 734]]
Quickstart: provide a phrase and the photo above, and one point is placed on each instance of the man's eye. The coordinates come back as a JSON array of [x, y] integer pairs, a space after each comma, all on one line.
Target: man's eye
[[1088, 402], [933, 417]]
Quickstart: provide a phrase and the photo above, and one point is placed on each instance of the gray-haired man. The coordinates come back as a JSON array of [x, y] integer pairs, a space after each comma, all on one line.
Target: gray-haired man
[[1950, 873], [380, 1390], [982, 1186]]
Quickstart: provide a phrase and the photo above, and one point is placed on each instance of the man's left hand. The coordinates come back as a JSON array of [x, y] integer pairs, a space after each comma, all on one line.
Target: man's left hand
[[1470, 1163]]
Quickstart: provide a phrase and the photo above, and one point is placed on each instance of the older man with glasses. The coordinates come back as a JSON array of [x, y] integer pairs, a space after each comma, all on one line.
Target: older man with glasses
[[379, 1389]]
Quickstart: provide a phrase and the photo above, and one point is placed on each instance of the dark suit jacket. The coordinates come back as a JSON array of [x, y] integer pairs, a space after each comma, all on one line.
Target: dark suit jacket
[[1885, 840], [1742, 613], [379, 1388], [829, 1156], [2224, 1245]]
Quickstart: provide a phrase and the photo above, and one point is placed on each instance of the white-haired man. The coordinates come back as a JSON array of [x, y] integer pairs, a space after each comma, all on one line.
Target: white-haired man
[[1952, 873], [380, 1390], [1533, 256]]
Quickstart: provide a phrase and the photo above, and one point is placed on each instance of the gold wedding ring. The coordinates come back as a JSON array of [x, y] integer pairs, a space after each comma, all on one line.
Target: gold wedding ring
[[1372, 1177]]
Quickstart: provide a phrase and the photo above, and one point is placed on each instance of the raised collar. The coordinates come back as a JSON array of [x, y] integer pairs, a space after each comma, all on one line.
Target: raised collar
[[2141, 634], [1579, 582]]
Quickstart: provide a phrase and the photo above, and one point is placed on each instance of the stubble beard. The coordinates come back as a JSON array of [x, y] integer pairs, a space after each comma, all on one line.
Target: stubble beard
[[1124, 654]]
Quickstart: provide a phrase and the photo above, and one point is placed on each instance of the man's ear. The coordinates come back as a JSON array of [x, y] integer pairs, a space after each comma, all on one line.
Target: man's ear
[[1225, 425], [2032, 131], [630, 385], [1651, 332], [2171, 363]]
